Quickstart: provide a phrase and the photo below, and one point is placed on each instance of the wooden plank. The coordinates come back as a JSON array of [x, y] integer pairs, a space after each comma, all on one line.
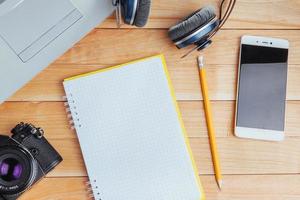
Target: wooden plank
[[238, 156], [246, 187], [248, 14], [109, 47], [104, 48], [250, 187], [52, 117], [58, 189], [241, 156], [185, 78], [224, 115], [221, 82], [73, 164]]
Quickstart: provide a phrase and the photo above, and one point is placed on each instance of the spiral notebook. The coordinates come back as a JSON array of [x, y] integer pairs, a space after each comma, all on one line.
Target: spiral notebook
[[131, 133]]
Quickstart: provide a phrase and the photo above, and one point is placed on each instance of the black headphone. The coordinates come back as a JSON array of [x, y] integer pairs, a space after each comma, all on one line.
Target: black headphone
[[199, 27], [132, 12]]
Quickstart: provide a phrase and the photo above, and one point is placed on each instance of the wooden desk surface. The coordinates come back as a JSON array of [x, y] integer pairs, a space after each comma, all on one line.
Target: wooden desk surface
[[252, 169]]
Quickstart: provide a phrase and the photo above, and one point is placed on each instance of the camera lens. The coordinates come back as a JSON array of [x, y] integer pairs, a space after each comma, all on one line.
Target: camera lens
[[10, 169], [17, 170]]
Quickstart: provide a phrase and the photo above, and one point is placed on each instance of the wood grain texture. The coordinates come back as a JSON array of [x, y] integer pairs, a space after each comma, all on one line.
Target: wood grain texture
[[104, 48], [248, 14], [236, 187], [253, 169], [241, 156], [221, 82], [52, 117], [58, 189], [238, 156], [252, 187]]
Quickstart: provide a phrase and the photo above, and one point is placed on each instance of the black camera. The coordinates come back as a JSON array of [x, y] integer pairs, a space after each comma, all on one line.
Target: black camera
[[25, 158]]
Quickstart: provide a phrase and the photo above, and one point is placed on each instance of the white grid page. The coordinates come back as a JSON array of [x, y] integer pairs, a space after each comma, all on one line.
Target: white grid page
[[130, 134]]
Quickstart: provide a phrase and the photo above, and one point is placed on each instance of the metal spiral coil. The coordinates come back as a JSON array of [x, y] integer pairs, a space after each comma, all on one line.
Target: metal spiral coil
[[72, 117], [93, 190]]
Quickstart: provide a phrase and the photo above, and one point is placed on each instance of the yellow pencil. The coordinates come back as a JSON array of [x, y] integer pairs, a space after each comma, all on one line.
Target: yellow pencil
[[209, 122]]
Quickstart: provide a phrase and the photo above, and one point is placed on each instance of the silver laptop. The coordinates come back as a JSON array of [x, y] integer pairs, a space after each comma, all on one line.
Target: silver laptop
[[33, 33]]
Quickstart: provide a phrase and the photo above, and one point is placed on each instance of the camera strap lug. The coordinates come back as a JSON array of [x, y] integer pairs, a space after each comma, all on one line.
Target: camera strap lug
[[38, 132]]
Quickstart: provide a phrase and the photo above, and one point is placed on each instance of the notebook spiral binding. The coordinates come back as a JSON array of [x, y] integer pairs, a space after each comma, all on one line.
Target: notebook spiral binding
[[93, 190], [71, 104], [91, 186]]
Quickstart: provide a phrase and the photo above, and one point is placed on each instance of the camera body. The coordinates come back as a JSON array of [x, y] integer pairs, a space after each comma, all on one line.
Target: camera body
[[25, 158]]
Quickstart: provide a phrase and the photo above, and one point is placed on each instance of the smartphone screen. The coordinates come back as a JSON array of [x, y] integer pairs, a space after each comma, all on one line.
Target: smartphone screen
[[262, 87]]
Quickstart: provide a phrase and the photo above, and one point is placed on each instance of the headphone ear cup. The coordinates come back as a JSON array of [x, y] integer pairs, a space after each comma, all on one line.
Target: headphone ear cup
[[142, 13], [191, 23], [135, 12], [127, 10]]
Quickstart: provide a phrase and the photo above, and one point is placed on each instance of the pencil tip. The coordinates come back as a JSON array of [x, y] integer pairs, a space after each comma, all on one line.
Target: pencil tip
[[200, 61], [220, 183]]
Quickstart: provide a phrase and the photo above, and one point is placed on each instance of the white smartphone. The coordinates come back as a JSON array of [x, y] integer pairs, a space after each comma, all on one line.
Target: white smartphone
[[261, 88]]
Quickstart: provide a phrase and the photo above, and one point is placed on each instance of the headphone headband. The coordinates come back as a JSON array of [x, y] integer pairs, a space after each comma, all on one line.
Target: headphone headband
[[226, 15]]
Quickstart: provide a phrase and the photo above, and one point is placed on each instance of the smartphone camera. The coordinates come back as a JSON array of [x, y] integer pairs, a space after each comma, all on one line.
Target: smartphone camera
[[25, 158]]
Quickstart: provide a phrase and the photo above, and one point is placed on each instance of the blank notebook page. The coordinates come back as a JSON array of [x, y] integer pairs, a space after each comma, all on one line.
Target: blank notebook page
[[131, 133]]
